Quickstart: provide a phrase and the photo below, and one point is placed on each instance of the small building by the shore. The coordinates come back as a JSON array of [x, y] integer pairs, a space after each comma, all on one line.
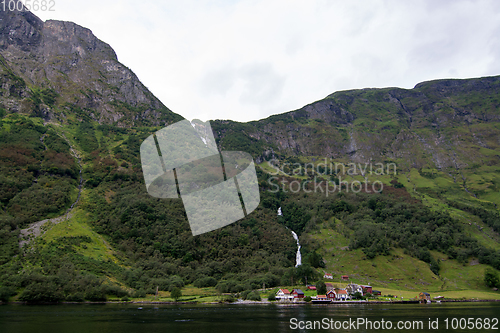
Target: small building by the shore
[[353, 288], [342, 295], [367, 290], [331, 295], [297, 294], [423, 296], [284, 295]]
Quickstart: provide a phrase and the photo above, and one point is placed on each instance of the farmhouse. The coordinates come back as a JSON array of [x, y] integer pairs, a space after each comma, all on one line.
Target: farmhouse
[[297, 294], [284, 295], [353, 288], [342, 295], [367, 290], [345, 277], [331, 295], [424, 296], [328, 276]]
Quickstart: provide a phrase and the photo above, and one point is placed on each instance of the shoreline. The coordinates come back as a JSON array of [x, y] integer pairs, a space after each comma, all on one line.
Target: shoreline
[[245, 302]]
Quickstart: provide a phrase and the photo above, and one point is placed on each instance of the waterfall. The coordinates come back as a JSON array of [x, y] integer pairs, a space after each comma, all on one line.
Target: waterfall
[[298, 257]]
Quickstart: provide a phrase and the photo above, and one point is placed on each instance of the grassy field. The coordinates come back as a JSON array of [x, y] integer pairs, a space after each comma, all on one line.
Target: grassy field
[[77, 226]]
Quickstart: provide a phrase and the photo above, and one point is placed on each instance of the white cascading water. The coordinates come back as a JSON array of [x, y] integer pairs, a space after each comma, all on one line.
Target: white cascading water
[[298, 257]]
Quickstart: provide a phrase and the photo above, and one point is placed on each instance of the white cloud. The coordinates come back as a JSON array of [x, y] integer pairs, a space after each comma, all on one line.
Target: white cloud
[[246, 60]]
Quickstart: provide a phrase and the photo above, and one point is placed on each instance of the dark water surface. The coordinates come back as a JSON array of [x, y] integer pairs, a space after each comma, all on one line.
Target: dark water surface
[[126, 318]]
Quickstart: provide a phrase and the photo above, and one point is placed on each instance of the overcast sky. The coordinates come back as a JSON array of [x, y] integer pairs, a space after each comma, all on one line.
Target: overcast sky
[[246, 60]]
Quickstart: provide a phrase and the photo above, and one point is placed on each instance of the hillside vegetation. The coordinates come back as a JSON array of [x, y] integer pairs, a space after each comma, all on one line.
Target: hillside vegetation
[[76, 222]]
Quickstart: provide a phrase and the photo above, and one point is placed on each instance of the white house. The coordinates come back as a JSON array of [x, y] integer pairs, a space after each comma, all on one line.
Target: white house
[[342, 295], [284, 295], [353, 288]]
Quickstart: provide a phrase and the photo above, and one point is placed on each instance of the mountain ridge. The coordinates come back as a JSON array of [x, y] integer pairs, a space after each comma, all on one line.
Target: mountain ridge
[[80, 72]]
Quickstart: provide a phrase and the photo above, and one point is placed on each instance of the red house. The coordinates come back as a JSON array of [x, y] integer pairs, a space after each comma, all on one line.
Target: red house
[[331, 294], [345, 277], [367, 290], [297, 293], [311, 287]]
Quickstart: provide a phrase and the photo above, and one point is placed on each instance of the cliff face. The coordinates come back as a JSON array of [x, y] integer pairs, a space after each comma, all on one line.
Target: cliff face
[[439, 124], [80, 71]]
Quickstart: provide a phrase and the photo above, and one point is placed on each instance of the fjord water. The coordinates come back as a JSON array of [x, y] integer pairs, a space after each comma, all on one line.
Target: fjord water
[[126, 318]]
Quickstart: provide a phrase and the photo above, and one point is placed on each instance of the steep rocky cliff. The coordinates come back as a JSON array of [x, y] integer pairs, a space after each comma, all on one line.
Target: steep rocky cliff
[[60, 68], [439, 124]]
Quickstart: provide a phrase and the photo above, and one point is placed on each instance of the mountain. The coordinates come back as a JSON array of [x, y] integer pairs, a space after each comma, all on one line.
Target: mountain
[[388, 123], [76, 222], [60, 69], [445, 130]]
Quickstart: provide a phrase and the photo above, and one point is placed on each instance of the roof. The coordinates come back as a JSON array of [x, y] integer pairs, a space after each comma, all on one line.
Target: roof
[[376, 291], [342, 292], [298, 291], [426, 294], [311, 287], [285, 291], [330, 291], [320, 296], [328, 284], [345, 276]]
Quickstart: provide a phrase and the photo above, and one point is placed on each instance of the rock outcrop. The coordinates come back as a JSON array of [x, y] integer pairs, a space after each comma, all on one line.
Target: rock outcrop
[[82, 72]]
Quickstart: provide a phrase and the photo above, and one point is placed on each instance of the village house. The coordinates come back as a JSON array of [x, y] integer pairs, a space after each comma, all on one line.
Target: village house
[[284, 295], [353, 288], [345, 277], [342, 295], [424, 296], [297, 294], [309, 287], [367, 290], [328, 276], [331, 295]]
